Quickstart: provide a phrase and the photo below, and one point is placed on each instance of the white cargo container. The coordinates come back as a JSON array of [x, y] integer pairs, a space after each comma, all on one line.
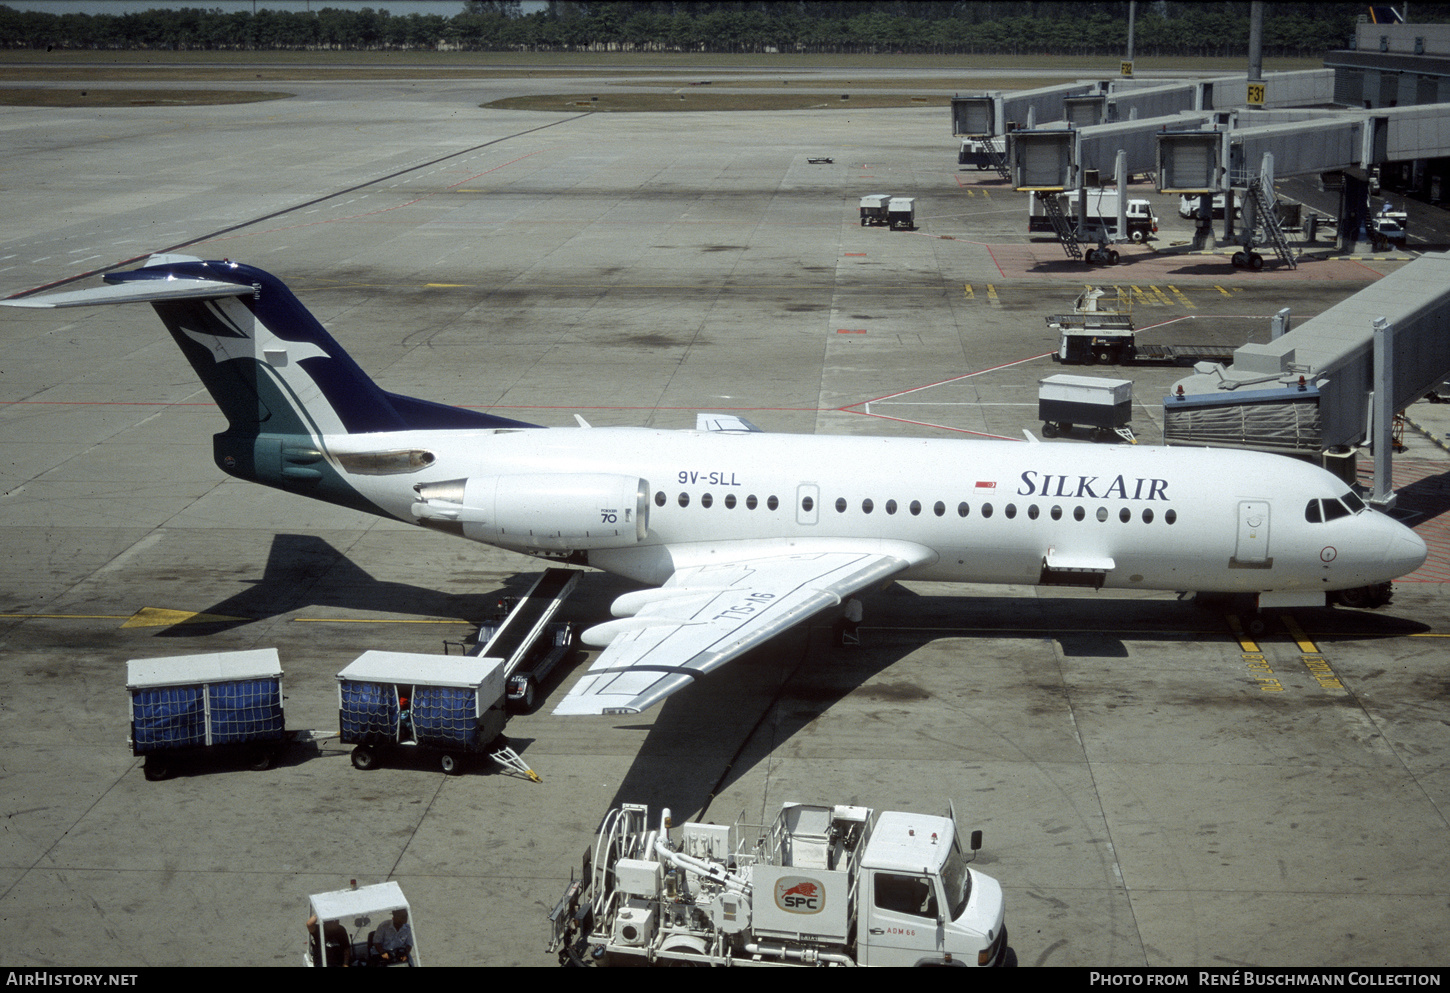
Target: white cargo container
[[1104, 404], [873, 209], [901, 213]]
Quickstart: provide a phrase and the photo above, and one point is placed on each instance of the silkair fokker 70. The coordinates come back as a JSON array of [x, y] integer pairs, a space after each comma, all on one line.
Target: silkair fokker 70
[[742, 533]]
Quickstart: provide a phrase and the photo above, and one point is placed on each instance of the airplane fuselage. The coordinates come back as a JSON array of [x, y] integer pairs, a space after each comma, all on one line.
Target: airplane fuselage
[[989, 511]]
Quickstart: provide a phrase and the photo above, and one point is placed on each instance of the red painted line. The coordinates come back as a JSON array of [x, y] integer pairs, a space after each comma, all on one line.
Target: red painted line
[[1000, 270], [929, 424], [954, 379]]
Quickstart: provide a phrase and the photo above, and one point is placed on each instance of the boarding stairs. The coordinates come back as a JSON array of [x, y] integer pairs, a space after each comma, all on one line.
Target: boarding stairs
[[998, 158], [1267, 221], [1060, 224]]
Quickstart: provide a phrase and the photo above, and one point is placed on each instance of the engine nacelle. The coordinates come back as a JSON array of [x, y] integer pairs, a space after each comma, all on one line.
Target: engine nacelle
[[552, 511]]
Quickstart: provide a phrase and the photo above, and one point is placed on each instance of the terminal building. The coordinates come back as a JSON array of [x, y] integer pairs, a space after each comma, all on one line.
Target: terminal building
[[1378, 112]]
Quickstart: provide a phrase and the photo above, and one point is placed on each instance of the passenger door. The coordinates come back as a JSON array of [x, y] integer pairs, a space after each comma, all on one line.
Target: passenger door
[[1251, 550]]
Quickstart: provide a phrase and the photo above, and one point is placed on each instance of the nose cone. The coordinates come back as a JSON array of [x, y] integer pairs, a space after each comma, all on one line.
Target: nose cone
[[1406, 551]]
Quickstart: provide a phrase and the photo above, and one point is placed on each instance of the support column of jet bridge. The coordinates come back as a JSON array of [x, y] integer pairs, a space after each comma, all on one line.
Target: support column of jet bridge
[[1307, 392]]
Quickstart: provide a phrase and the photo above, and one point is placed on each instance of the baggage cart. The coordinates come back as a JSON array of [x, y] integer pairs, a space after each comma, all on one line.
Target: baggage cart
[[190, 705], [873, 209], [1106, 405], [389, 702], [901, 213]]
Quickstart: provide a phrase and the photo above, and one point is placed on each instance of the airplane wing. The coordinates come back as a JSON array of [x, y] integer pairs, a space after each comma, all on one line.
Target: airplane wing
[[704, 616]]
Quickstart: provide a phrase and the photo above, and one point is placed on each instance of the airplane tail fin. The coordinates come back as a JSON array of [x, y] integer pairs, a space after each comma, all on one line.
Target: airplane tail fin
[[281, 380], [266, 361]]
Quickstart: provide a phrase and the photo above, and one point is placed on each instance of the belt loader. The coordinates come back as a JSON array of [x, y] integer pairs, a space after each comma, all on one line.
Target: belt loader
[[822, 885]]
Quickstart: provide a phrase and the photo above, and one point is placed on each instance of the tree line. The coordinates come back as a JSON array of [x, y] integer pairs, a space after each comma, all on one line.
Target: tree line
[[981, 27]]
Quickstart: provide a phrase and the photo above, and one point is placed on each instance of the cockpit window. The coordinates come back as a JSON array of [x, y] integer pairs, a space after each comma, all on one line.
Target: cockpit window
[[1353, 502], [1333, 510], [1312, 513]]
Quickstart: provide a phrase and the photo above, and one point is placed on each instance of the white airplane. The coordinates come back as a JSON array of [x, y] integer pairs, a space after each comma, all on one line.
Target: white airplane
[[743, 533]]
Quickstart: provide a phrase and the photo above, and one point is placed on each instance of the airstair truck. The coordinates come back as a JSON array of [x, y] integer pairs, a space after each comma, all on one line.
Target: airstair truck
[[822, 885]]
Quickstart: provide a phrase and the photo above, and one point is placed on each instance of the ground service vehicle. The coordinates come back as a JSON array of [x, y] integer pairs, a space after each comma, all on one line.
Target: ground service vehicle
[[528, 639], [1191, 207], [1100, 331], [982, 151], [1102, 216], [346, 928], [823, 885]]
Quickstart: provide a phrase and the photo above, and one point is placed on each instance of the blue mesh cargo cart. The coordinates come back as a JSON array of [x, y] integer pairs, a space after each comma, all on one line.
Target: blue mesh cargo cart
[[190, 704], [453, 706]]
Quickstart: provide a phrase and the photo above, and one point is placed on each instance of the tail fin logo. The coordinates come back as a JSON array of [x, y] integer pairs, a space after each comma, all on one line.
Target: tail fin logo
[[238, 345]]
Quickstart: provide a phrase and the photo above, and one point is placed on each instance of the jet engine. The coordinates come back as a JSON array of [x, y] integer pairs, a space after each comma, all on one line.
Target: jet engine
[[548, 511]]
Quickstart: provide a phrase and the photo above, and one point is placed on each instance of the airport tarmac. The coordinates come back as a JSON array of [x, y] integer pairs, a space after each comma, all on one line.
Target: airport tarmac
[[1156, 787]]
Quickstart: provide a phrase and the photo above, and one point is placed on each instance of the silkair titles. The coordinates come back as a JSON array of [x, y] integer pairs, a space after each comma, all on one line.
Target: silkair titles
[[1092, 487]]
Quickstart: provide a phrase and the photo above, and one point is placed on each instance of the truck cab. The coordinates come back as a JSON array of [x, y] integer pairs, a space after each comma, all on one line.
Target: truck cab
[[920, 903]]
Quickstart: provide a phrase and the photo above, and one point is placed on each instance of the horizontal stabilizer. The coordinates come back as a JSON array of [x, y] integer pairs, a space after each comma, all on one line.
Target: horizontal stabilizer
[[139, 291]]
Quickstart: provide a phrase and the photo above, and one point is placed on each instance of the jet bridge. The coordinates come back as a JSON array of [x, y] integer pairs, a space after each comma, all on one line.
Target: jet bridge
[[999, 113], [1307, 391]]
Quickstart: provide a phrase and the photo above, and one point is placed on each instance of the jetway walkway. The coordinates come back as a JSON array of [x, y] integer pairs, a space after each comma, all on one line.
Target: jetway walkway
[[1202, 138], [1306, 392]]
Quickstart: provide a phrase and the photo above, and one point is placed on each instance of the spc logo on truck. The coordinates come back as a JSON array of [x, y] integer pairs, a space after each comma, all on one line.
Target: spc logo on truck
[[799, 895]]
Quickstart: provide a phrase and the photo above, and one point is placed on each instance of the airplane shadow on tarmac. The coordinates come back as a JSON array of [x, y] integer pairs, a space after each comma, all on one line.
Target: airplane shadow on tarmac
[[711, 734], [306, 571]]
